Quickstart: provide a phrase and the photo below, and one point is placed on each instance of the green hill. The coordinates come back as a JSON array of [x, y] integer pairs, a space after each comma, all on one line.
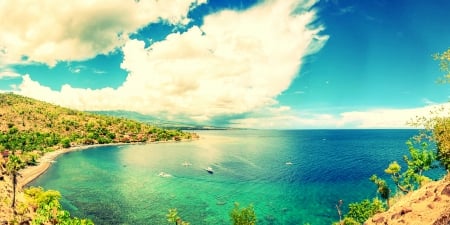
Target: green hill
[[30, 125]]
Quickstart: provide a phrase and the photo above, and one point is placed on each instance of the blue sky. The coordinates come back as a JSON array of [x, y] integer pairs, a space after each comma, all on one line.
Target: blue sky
[[256, 64]]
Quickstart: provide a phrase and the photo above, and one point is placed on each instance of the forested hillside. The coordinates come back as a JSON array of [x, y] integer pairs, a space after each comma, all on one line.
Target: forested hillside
[[28, 125]]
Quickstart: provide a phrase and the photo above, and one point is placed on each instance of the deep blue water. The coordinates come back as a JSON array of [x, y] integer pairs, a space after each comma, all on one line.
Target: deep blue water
[[120, 184]]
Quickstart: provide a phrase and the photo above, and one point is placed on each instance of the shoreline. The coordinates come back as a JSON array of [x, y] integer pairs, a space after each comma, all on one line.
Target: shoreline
[[30, 173]]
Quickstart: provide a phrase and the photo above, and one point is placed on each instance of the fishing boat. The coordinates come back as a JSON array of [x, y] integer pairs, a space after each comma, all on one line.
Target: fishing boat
[[162, 174]]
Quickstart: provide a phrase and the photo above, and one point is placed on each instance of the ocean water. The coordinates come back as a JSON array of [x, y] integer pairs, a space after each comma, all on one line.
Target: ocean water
[[290, 177]]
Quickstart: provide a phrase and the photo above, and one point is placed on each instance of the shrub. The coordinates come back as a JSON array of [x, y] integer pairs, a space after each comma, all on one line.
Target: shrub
[[361, 211], [244, 216]]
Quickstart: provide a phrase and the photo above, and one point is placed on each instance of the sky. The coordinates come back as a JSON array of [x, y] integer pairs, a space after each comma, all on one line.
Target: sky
[[274, 64]]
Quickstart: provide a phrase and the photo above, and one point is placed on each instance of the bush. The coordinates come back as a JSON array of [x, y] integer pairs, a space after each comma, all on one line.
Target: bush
[[362, 211], [245, 216], [48, 210], [65, 142], [441, 133]]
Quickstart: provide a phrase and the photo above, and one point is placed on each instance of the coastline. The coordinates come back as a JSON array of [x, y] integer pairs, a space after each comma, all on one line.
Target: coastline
[[30, 173]]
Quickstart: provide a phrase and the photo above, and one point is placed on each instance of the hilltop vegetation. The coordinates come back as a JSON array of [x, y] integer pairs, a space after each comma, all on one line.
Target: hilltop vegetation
[[28, 125]]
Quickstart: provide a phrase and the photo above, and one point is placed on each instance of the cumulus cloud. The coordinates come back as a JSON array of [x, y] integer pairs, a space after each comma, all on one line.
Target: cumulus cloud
[[235, 62], [48, 31]]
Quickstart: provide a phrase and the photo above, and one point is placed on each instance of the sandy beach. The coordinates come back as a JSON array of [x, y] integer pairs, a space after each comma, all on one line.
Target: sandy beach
[[32, 172]]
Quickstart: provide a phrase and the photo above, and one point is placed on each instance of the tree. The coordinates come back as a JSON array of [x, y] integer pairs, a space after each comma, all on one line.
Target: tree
[[441, 134], [382, 188], [420, 160], [394, 170], [444, 64], [13, 166], [437, 124], [244, 216]]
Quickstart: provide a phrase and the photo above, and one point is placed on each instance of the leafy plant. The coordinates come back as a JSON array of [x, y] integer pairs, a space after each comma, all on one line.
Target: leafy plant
[[244, 216], [382, 188], [173, 217], [361, 211], [48, 209]]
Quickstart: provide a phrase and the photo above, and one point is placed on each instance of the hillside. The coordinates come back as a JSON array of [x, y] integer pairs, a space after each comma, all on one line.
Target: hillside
[[428, 205], [42, 125]]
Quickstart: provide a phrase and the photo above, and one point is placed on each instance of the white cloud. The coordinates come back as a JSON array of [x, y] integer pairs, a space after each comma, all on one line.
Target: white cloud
[[8, 74], [48, 31], [375, 118], [236, 62]]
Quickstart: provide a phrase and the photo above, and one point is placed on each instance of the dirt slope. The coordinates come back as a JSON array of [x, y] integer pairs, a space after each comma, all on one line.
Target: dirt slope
[[428, 205]]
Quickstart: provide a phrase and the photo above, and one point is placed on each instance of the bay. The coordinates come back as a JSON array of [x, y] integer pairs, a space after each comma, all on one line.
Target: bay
[[289, 176]]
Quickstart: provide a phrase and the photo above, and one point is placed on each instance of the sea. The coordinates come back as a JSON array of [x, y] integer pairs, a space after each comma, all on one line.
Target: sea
[[287, 176]]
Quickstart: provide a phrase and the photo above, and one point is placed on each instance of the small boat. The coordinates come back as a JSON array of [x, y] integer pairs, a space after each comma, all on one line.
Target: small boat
[[162, 174], [289, 163], [209, 170]]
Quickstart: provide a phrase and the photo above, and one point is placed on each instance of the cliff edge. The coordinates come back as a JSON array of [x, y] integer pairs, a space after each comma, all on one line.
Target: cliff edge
[[428, 205]]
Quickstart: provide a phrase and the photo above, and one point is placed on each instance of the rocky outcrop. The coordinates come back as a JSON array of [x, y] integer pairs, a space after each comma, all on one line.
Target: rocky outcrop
[[428, 205]]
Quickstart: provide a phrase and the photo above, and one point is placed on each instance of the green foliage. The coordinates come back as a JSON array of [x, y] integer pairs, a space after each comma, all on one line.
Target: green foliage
[[244, 216], [394, 168], [444, 64], [382, 188], [14, 164], [361, 211], [65, 142], [45, 127], [48, 210], [441, 134], [437, 123], [173, 217], [420, 160], [347, 221]]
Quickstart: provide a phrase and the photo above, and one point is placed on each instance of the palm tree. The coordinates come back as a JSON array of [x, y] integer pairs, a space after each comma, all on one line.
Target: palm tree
[[13, 166]]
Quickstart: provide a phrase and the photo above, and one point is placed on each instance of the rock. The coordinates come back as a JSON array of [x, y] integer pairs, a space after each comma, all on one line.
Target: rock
[[402, 212], [437, 199], [444, 220], [378, 219], [446, 190]]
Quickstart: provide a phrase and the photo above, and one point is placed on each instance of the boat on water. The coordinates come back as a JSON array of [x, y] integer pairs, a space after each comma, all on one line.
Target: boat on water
[[209, 170], [162, 174]]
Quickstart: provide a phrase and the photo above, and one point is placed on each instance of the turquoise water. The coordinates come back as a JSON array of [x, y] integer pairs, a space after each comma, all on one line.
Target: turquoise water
[[120, 184]]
